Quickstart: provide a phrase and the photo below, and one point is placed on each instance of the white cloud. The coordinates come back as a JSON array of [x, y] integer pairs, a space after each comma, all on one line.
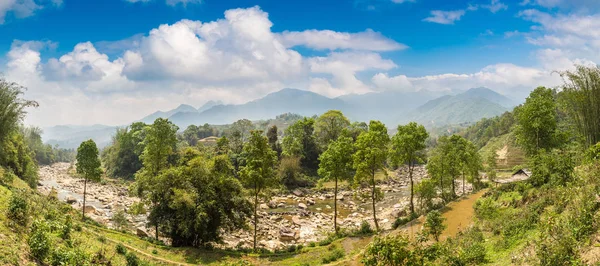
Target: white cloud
[[20, 8], [368, 40], [495, 6], [445, 17], [403, 1], [170, 2]]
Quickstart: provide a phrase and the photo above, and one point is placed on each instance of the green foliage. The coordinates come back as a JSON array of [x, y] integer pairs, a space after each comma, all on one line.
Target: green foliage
[[290, 172], [12, 107], [65, 233], [536, 121], [122, 157], [64, 256], [137, 208], [132, 259], [434, 224], [119, 220], [39, 240], [88, 164], [299, 140], [329, 127], [193, 133], [426, 191], [336, 163], [16, 156], [554, 167], [488, 128], [581, 92], [400, 221], [121, 249], [273, 136], [370, 157], [390, 251], [408, 146], [18, 208], [335, 254], [593, 153]]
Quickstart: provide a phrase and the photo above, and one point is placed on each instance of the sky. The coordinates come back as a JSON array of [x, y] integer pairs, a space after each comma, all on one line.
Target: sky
[[114, 61]]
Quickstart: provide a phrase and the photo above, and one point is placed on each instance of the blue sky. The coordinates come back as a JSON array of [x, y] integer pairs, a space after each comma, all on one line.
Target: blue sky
[[122, 59]]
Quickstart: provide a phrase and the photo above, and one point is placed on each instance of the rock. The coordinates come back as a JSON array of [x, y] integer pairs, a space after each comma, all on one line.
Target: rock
[[296, 220], [70, 200], [397, 206], [264, 206], [286, 234], [341, 197], [298, 192], [319, 209], [141, 232], [280, 205], [272, 204], [302, 206], [310, 202], [90, 209]]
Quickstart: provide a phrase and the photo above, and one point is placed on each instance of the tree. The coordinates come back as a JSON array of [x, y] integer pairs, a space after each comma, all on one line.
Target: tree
[[439, 162], [273, 136], [426, 191], [88, 166], [122, 157], [12, 107], [159, 144], [408, 147], [434, 224], [329, 126], [299, 140], [491, 161], [392, 251], [582, 94], [536, 121], [371, 154], [336, 163], [259, 172]]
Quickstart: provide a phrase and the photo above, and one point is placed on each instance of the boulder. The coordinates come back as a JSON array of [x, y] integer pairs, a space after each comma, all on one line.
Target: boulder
[[264, 206], [272, 204], [296, 220], [70, 200], [286, 234], [302, 206], [310, 202], [298, 192], [90, 209], [141, 232]]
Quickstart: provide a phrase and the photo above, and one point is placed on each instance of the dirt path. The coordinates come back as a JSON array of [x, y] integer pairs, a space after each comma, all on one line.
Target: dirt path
[[459, 215]]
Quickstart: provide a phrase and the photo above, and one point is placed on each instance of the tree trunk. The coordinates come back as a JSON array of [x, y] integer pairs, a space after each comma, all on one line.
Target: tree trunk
[[453, 188], [412, 191], [84, 191], [373, 200], [463, 176], [335, 206], [255, 218], [156, 229]]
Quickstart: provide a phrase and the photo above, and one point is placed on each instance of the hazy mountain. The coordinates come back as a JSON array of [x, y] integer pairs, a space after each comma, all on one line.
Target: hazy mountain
[[209, 105], [70, 136], [469, 106], [182, 108], [384, 106], [491, 96], [284, 101]]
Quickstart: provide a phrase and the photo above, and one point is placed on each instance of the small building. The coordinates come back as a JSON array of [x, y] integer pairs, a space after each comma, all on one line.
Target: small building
[[209, 141], [520, 175]]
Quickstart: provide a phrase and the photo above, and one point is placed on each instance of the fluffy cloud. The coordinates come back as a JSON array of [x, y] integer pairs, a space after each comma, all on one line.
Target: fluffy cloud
[[445, 17], [368, 40], [507, 78]]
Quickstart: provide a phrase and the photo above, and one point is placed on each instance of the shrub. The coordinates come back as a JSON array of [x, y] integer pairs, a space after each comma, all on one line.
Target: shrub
[[119, 220], [61, 256], [39, 240], [364, 229], [65, 233], [335, 254], [132, 259], [400, 221], [137, 208], [434, 224], [121, 249], [7, 177], [18, 208], [389, 250]]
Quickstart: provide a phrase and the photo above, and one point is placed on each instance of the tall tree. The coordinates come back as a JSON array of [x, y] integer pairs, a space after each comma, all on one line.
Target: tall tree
[[12, 107], [159, 144], [336, 163], [273, 137], [371, 154], [408, 146], [259, 172], [300, 141], [88, 166], [582, 94], [122, 157], [536, 121], [329, 126]]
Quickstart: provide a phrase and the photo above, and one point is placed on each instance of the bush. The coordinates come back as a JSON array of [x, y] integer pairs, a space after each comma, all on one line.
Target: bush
[[335, 254], [132, 259], [364, 229], [390, 250], [121, 249], [137, 208], [65, 233], [400, 221], [39, 240], [434, 224], [61, 256], [18, 208], [119, 220], [7, 177]]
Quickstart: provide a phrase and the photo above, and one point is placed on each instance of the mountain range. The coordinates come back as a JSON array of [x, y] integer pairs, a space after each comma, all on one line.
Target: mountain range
[[391, 107]]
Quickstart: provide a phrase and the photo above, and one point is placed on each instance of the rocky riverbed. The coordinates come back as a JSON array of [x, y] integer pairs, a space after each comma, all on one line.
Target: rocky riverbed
[[303, 216]]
